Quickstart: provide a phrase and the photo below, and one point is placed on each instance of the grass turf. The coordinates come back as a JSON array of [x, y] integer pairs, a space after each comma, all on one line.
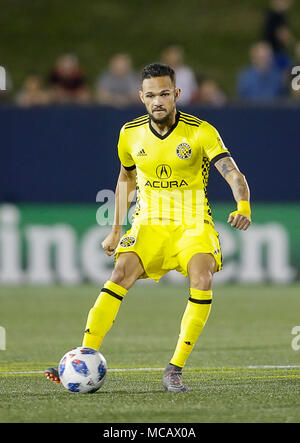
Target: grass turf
[[249, 328]]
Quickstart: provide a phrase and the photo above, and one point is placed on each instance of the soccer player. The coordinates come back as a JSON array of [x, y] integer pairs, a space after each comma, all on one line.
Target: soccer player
[[166, 155]]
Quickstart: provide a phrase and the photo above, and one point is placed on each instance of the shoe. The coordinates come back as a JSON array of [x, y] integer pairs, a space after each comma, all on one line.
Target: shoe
[[52, 375], [172, 381]]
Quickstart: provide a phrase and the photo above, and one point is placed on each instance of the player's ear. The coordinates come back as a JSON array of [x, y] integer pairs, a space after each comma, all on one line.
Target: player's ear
[[177, 93], [141, 96]]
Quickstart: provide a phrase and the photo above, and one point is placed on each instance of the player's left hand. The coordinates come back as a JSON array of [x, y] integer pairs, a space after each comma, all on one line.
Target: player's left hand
[[241, 219]]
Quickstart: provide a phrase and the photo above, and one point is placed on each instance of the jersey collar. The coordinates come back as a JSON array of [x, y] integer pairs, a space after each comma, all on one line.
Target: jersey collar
[[162, 137]]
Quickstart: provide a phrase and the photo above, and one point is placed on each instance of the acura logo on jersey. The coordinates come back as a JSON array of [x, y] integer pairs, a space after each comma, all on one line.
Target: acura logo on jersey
[[163, 171], [184, 151], [166, 184]]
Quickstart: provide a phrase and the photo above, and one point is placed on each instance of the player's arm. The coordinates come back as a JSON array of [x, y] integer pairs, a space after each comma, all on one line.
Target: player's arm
[[125, 190], [241, 218], [124, 194]]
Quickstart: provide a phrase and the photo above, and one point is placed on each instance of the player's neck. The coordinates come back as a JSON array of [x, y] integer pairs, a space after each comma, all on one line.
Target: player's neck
[[163, 127]]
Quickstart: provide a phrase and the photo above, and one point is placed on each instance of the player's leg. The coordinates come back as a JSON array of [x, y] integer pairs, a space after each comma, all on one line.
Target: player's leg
[[102, 315], [127, 270], [200, 270]]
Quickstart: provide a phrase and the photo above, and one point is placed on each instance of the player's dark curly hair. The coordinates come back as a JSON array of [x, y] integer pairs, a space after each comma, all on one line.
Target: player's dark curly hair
[[158, 70]]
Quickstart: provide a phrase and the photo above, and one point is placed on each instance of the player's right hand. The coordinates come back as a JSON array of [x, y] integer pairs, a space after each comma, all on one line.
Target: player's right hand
[[110, 243]]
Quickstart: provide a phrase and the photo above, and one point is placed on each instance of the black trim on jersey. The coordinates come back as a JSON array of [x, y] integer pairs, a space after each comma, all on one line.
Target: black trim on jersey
[[191, 118], [134, 122], [162, 137], [200, 302], [219, 156], [129, 168], [119, 297], [138, 118], [138, 123], [188, 119], [189, 122]]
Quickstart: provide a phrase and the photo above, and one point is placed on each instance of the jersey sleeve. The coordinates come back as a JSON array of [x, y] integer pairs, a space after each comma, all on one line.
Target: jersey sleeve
[[124, 151], [213, 144]]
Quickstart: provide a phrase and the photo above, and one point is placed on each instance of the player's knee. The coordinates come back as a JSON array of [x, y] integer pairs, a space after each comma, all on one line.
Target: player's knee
[[118, 275], [122, 278], [201, 280]]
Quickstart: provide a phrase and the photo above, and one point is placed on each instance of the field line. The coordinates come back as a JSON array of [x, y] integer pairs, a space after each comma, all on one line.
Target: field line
[[141, 369], [274, 367]]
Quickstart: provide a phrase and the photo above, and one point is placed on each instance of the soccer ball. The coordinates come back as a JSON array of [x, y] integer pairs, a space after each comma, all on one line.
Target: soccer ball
[[82, 370]]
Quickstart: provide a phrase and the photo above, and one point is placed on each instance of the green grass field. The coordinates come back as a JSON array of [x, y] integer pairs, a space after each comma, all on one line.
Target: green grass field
[[243, 368]]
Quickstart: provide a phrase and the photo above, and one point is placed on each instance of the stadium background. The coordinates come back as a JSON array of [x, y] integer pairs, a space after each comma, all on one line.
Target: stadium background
[[64, 154], [55, 159]]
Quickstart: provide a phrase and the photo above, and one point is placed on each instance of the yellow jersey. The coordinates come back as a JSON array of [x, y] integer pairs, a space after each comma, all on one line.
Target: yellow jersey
[[173, 169]]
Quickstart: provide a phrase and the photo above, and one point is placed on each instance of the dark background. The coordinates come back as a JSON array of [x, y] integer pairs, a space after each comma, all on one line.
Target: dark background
[[67, 154]]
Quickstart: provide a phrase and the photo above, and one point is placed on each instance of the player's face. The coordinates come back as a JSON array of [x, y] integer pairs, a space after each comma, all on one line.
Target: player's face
[[159, 95]]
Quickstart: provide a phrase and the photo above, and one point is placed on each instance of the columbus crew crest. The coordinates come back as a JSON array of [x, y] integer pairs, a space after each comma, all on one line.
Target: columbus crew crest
[[184, 151], [126, 242]]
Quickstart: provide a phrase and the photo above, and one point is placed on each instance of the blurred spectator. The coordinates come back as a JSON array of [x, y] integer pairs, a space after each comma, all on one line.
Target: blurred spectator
[[185, 77], [32, 92], [261, 81], [276, 29], [67, 81], [118, 84], [277, 33], [209, 93], [297, 53]]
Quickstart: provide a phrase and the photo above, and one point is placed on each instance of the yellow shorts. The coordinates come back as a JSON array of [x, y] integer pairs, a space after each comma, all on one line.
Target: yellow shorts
[[165, 248]]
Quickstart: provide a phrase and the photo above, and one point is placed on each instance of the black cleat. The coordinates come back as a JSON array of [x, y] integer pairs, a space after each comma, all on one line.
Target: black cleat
[[52, 375], [172, 381]]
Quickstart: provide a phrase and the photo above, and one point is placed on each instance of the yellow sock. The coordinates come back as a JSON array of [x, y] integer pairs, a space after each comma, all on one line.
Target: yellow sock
[[193, 321], [103, 314]]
